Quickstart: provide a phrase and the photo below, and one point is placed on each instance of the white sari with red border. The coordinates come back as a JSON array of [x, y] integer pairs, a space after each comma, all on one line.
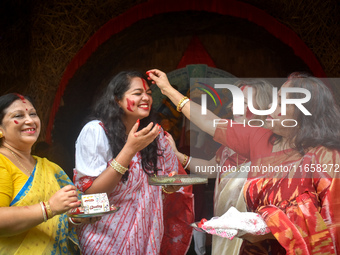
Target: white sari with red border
[[138, 227]]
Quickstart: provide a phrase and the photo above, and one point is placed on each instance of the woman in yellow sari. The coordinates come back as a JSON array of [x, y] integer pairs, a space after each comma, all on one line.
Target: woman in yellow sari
[[34, 192]]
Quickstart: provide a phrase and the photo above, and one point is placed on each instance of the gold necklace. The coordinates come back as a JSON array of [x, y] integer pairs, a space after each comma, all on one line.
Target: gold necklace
[[17, 158]]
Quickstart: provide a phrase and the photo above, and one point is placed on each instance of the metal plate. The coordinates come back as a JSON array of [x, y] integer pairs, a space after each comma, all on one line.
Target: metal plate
[[180, 180]]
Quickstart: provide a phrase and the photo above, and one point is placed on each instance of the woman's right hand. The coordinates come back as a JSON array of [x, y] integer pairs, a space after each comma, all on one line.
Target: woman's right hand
[[137, 141], [179, 155], [171, 142], [64, 200]]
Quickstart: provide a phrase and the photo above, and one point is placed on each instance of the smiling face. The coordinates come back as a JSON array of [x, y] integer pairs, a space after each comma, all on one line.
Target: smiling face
[[20, 125], [137, 100], [277, 127]]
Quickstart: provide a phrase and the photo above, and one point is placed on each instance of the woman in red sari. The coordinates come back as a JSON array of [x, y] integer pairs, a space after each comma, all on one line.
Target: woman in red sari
[[293, 179]]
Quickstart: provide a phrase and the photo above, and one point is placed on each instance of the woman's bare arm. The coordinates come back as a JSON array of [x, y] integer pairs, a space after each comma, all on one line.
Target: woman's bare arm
[[136, 141], [194, 162], [191, 110], [18, 219]]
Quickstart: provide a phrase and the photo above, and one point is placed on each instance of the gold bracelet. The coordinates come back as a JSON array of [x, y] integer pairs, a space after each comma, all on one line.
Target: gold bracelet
[[185, 160], [48, 210], [165, 191], [118, 167], [181, 103]]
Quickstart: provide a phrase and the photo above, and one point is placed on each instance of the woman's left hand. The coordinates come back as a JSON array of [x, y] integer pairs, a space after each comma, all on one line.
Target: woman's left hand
[[171, 142], [172, 188], [257, 238], [88, 220], [138, 140], [160, 78]]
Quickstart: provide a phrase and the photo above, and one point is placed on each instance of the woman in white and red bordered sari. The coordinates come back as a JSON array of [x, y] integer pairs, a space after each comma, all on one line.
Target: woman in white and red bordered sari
[[115, 153]]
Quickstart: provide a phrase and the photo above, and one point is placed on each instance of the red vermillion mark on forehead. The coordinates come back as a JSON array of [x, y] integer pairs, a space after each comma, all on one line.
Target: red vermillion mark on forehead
[[130, 104], [16, 122], [144, 84], [22, 98], [243, 87]]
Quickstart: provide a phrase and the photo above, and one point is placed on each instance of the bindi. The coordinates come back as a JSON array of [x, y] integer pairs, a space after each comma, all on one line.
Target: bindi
[[144, 84], [130, 104]]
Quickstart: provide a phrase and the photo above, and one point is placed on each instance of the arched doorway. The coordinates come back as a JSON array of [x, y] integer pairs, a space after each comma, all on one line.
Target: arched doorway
[[235, 44]]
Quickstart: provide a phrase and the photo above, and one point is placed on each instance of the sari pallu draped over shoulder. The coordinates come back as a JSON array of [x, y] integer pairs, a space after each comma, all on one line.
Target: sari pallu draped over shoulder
[[52, 236], [300, 203], [139, 226]]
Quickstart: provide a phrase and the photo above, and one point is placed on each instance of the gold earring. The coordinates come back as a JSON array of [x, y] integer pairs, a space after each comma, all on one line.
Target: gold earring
[[1, 134]]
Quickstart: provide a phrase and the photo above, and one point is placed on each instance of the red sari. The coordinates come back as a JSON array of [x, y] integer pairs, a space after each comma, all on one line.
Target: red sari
[[299, 205]]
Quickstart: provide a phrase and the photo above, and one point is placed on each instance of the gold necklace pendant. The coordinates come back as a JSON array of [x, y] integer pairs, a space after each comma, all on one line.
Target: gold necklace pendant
[[17, 158]]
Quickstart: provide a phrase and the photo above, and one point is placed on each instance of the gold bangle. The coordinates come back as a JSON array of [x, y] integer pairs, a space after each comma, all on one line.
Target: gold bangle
[[185, 160], [165, 191], [181, 103], [118, 167], [48, 210]]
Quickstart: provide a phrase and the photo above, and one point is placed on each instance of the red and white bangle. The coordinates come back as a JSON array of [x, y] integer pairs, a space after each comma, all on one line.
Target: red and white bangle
[[187, 164], [73, 222], [43, 210]]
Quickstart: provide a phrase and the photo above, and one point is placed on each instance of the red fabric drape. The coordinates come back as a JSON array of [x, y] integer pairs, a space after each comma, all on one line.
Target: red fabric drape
[[154, 7], [178, 211], [195, 54]]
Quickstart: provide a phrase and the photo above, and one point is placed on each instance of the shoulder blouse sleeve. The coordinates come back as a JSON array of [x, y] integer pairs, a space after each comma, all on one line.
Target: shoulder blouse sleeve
[[248, 141], [92, 150]]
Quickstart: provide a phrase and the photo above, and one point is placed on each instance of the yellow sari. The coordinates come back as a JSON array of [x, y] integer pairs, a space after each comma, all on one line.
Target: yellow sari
[[52, 236]]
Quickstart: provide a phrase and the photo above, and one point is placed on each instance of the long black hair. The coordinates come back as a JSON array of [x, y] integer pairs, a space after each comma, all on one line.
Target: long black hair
[[107, 110], [320, 128]]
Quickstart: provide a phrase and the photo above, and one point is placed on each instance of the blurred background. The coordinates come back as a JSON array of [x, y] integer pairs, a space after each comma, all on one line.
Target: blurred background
[[61, 52]]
